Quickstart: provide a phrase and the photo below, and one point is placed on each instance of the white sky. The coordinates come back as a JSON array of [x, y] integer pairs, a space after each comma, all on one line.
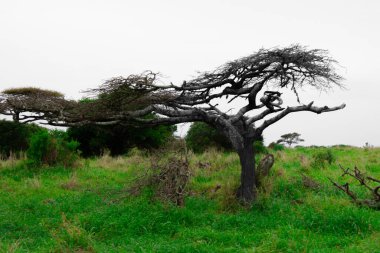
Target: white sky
[[71, 46]]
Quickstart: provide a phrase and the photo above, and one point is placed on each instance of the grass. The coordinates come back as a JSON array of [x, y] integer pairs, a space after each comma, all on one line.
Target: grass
[[88, 209]]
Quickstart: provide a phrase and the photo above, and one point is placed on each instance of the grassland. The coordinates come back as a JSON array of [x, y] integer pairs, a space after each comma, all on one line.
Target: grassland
[[89, 208]]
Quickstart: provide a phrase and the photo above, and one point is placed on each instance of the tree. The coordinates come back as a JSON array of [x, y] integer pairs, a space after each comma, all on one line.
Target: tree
[[290, 139], [126, 100], [31, 104], [202, 136]]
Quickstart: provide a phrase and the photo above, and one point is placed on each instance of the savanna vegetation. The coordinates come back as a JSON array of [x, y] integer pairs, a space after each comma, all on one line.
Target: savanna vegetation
[[119, 181], [145, 99], [94, 206]]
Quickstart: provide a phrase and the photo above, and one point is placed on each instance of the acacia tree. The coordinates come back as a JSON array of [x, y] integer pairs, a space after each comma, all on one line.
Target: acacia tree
[[290, 139], [32, 104], [124, 100]]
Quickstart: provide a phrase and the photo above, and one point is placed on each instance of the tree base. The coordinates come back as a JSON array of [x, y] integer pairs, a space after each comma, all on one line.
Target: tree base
[[246, 195]]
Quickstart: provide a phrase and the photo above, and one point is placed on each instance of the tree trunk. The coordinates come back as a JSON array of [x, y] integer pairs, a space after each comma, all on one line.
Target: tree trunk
[[16, 117], [247, 189]]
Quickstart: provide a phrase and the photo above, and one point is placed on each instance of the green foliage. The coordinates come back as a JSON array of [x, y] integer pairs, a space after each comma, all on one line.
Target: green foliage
[[93, 140], [259, 147], [87, 100], [202, 136], [14, 136], [39, 146], [322, 158], [52, 148], [276, 146]]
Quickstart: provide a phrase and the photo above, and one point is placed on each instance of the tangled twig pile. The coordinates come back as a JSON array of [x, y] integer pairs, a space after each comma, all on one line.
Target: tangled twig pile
[[168, 174], [365, 181], [171, 180]]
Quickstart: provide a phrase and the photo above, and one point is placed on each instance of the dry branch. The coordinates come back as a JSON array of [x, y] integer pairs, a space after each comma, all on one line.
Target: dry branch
[[364, 181]]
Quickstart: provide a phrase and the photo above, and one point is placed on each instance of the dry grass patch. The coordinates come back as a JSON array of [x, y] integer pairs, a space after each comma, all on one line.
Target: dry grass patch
[[12, 161], [226, 195], [71, 237], [304, 161], [212, 161], [33, 183], [120, 163], [72, 183], [12, 247], [281, 172], [280, 155]]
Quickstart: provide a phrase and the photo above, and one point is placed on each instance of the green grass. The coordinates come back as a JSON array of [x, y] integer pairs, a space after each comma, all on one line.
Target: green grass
[[88, 209]]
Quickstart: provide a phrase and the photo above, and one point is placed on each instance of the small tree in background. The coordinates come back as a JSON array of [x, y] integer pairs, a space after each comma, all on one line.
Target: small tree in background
[[290, 139]]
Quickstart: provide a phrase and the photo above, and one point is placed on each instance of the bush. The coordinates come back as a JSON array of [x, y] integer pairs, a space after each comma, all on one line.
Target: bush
[[52, 148], [322, 158], [259, 147], [276, 146], [202, 136], [93, 139], [14, 137]]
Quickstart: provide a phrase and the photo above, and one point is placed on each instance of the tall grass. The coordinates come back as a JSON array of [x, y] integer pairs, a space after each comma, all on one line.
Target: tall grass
[[89, 208]]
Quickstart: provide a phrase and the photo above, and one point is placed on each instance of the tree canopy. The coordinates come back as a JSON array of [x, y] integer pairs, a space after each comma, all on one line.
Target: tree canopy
[[32, 104], [290, 138]]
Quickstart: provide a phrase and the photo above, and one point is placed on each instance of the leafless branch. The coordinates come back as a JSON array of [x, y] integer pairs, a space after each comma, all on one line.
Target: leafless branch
[[359, 176]]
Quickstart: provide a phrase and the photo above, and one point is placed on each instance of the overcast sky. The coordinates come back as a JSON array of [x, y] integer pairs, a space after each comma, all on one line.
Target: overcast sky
[[71, 46]]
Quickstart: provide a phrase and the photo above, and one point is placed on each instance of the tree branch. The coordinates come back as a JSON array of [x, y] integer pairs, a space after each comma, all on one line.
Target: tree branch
[[288, 110]]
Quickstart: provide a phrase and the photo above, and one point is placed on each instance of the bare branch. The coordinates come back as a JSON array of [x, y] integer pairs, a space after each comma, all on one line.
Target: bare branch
[[363, 180], [345, 188], [300, 108]]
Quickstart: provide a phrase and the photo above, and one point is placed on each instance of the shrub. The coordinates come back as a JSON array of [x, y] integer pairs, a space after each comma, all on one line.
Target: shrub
[[39, 146], [322, 158], [14, 137], [202, 136], [52, 148], [93, 140], [259, 147], [276, 146]]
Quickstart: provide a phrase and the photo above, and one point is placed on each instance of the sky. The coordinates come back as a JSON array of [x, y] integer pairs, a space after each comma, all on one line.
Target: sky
[[73, 45]]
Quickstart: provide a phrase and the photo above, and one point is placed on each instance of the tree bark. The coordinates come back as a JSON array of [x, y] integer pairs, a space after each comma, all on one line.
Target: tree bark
[[16, 116], [247, 189]]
